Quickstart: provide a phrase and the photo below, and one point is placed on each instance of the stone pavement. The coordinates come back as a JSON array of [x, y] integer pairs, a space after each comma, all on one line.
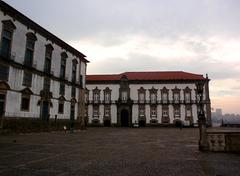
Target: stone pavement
[[113, 152]]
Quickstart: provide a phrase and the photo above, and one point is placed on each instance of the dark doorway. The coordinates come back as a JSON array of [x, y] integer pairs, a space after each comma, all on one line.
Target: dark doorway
[[124, 118], [2, 104], [107, 123], [45, 110], [142, 123]]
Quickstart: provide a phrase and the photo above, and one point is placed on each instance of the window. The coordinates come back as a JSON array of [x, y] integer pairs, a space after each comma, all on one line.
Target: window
[[124, 96], [7, 33], [6, 44], [176, 112], [142, 110], [73, 91], [48, 58], [95, 111], [164, 93], [25, 103], [81, 80], [187, 97], [107, 95], [60, 107], [62, 89], [96, 95], [4, 70], [153, 95], [176, 97], [74, 70], [107, 111], [63, 65], [165, 111], [46, 84], [29, 52], [141, 95], [27, 79], [153, 112], [188, 111]]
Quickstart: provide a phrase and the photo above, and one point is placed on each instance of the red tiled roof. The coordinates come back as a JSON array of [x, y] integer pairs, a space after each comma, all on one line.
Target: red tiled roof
[[148, 76]]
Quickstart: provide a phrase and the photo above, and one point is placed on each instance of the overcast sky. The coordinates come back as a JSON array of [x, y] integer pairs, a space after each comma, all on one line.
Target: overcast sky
[[199, 36]]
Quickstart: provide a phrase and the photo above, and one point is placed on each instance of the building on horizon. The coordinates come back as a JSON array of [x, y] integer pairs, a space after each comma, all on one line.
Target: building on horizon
[[145, 97], [41, 76]]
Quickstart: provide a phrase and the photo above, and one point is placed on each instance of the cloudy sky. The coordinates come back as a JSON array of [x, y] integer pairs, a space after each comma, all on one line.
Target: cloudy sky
[[199, 36]]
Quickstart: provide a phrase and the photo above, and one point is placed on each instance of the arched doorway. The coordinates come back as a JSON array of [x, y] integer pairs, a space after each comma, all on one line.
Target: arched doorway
[[124, 118]]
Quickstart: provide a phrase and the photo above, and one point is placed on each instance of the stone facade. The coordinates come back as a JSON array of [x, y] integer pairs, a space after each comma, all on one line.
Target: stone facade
[[41, 76], [145, 98]]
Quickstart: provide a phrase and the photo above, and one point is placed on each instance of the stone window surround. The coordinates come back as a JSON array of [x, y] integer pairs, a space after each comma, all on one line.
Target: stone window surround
[[153, 108], [141, 110], [30, 37], [164, 90], [9, 26], [107, 107], [96, 94], [140, 92], [107, 91], [153, 91], [186, 91]]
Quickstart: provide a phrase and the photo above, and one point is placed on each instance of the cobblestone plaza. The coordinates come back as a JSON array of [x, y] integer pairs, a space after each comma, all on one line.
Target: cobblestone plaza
[[113, 151]]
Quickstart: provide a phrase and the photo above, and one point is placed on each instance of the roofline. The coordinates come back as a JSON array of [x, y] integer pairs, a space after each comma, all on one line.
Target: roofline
[[16, 15]]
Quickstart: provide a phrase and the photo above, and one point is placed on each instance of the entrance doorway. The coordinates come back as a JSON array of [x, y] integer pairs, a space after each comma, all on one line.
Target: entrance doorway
[[2, 104], [45, 110], [124, 118]]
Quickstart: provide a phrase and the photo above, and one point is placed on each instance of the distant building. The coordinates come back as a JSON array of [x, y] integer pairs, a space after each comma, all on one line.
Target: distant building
[[40, 75], [145, 97], [219, 112]]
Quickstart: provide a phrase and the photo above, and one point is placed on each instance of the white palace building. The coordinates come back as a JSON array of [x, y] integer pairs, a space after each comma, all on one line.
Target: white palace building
[[157, 98], [41, 76]]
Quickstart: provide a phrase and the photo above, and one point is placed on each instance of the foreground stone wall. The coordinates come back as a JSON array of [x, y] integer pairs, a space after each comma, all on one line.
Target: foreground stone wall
[[224, 141]]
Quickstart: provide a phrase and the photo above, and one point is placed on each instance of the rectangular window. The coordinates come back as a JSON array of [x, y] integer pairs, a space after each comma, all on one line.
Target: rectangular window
[[165, 111], [153, 111], [81, 80], [124, 96], [4, 71], [165, 97], [96, 96], [62, 88], [187, 97], [6, 44], [188, 111], [177, 112], [107, 111], [46, 85], [25, 103], [29, 53], [74, 72], [153, 97], [95, 111], [142, 110], [107, 97], [48, 58], [176, 97], [60, 107], [73, 92], [27, 79], [141, 97], [63, 68]]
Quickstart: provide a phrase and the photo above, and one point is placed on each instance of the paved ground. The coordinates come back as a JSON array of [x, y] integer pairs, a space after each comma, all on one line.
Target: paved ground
[[112, 151]]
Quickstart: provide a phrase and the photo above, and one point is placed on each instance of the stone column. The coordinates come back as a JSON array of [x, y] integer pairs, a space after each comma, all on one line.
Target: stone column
[[208, 103]]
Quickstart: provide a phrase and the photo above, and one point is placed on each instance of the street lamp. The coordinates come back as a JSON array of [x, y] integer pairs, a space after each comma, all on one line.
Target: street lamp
[[203, 145]]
